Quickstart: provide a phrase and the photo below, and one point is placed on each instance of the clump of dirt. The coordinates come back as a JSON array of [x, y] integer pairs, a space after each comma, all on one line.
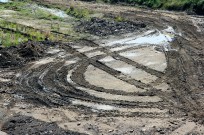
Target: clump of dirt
[[30, 49], [16, 56], [104, 27], [8, 59], [22, 125]]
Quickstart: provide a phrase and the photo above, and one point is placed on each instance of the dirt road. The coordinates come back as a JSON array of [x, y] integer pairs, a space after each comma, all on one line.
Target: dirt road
[[143, 81]]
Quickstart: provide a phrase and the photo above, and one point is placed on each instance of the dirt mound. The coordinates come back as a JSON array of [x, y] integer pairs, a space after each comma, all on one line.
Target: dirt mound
[[16, 56], [27, 125], [102, 27], [30, 49], [7, 59]]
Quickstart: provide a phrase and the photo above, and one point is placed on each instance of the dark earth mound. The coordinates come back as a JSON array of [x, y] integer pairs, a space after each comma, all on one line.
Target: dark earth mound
[[16, 56], [102, 27], [7, 59], [24, 125]]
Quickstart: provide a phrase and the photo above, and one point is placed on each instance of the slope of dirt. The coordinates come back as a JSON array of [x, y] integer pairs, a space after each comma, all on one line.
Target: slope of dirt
[[16, 56]]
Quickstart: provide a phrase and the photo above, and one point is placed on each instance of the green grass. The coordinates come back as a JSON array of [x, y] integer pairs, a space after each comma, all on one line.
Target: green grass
[[196, 6], [119, 19], [24, 10], [78, 13], [13, 34], [11, 39]]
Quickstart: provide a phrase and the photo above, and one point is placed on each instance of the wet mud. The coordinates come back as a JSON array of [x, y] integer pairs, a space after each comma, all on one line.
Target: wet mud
[[27, 125], [117, 84], [105, 27]]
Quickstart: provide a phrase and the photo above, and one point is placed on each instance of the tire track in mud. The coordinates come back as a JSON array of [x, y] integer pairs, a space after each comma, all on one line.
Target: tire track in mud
[[46, 81], [62, 81], [187, 82], [73, 75]]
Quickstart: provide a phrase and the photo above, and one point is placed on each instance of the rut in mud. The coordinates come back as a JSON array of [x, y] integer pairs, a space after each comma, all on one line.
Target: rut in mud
[[88, 77], [147, 81]]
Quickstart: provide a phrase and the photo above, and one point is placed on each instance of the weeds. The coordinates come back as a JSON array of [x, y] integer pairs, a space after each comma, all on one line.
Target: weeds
[[13, 34], [181, 5], [26, 9], [119, 19], [78, 13], [11, 39]]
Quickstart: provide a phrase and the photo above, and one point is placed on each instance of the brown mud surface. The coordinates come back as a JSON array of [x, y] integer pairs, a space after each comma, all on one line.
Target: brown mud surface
[[105, 85]]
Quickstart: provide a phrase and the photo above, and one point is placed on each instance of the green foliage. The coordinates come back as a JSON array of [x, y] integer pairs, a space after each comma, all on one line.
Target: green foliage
[[190, 5], [119, 19], [11, 39], [199, 8], [40, 14], [17, 6], [23, 9], [13, 34], [78, 13]]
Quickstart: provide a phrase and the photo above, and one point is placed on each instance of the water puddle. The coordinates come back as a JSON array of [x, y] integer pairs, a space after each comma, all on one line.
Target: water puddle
[[4, 1], [157, 38], [56, 12], [151, 37]]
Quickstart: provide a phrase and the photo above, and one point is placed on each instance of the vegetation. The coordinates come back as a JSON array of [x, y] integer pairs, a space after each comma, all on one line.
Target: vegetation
[[196, 6], [13, 33], [26, 9], [18, 28], [78, 13], [119, 19], [11, 39]]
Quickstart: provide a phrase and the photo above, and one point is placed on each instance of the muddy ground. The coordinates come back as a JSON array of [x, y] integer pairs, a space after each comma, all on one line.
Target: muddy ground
[[144, 80], [104, 27]]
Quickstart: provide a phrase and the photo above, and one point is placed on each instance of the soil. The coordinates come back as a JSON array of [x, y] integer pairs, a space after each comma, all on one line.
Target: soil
[[27, 125], [100, 86], [18, 55], [105, 27]]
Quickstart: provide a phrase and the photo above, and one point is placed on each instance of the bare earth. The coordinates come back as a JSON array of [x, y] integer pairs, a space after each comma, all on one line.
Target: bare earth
[[141, 83]]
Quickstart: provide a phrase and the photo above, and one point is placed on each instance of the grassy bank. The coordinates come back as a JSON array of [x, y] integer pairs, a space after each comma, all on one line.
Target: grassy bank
[[192, 6]]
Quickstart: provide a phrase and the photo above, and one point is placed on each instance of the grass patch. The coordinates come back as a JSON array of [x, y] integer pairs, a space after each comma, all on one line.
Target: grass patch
[[11, 39], [196, 6], [29, 9], [119, 19], [13, 34], [78, 13]]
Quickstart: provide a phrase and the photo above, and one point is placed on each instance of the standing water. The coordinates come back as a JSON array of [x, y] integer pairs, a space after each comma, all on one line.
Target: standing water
[[4, 1]]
